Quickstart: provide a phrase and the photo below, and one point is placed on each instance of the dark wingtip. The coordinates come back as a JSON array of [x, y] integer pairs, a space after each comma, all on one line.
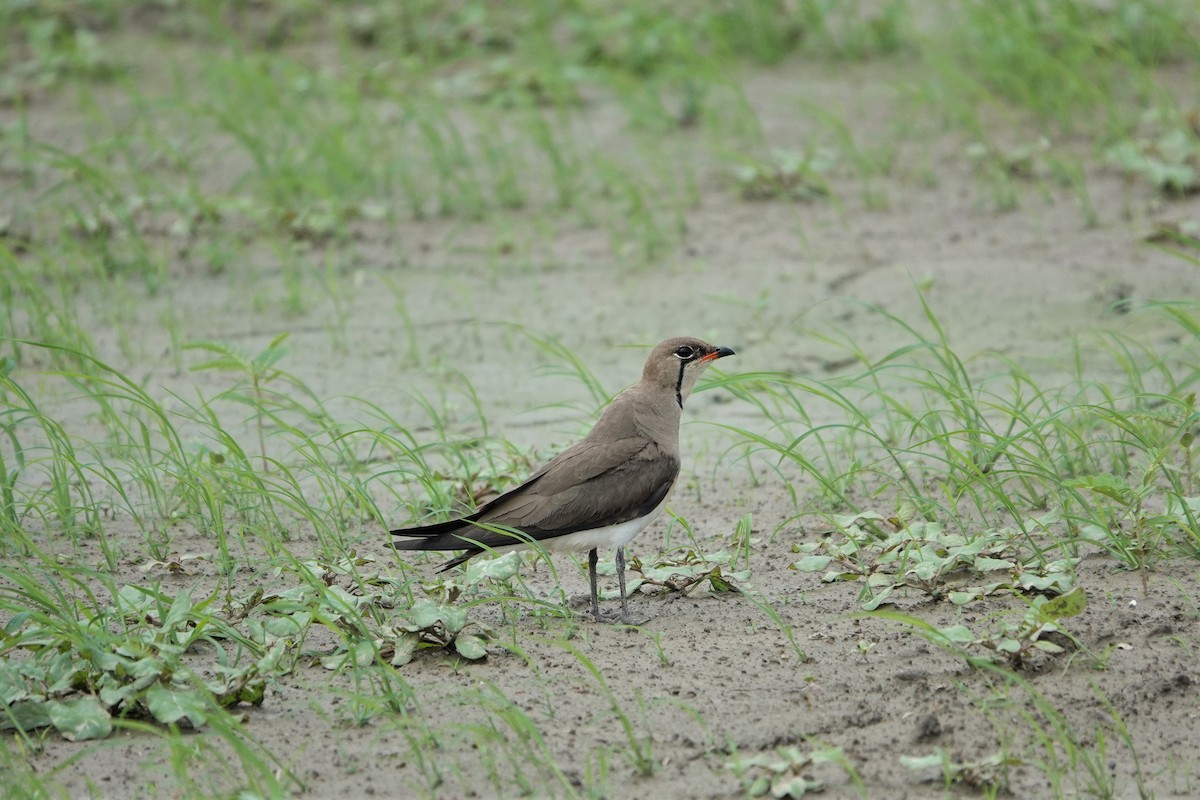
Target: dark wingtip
[[406, 532], [435, 529], [454, 562], [419, 545]]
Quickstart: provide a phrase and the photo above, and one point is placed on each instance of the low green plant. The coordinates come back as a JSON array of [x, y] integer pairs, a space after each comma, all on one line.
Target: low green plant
[[1169, 163], [786, 772], [1013, 643], [435, 625], [385, 618], [781, 774], [685, 571], [923, 556], [86, 664], [785, 176], [989, 775]]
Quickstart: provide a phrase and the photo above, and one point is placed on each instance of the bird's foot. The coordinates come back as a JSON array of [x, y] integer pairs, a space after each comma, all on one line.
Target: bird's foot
[[627, 616], [614, 617]]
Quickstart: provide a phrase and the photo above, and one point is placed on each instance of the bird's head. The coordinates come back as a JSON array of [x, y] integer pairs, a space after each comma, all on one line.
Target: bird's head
[[676, 365]]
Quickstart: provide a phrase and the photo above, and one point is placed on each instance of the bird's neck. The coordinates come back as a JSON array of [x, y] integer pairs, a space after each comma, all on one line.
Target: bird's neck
[[639, 411]]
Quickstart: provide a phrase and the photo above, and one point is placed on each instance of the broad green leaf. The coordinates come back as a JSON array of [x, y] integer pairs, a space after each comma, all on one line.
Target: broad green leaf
[[269, 664], [985, 564], [957, 634], [12, 683], [291, 599], [255, 631], [146, 670], [1059, 581], [743, 763], [928, 570], [497, 569], [469, 646], [169, 704], [181, 607], [879, 598], [104, 660], [113, 691], [405, 646], [26, 715], [341, 601], [847, 548], [955, 541], [425, 614], [927, 531], [670, 572], [965, 552], [722, 556], [135, 601], [61, 670], [81, 718], [720, 583], [879, 579], [828, 755], [358, 654], [1066, 605], [286, 626], [851, 520], [961, 598], [133, 650], [454, 618], [812, 563]]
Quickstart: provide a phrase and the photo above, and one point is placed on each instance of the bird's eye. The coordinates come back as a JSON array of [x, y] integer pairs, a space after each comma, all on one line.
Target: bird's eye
[[684, 351]]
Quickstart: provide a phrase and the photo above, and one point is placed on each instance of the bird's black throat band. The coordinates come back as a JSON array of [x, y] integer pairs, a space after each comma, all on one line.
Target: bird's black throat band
[[679, 384]]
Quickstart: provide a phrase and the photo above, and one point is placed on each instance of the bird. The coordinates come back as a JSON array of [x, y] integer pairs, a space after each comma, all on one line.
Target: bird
[[598, 493]]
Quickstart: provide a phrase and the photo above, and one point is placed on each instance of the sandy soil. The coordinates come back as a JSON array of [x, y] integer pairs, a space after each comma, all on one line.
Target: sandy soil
[[712, 672]]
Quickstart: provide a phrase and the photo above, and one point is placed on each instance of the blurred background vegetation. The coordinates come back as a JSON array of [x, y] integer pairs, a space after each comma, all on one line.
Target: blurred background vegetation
[[131, 128]]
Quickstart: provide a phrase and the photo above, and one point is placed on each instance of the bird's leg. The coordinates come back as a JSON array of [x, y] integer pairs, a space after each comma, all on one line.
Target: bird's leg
[[621, 581], [593, 557]]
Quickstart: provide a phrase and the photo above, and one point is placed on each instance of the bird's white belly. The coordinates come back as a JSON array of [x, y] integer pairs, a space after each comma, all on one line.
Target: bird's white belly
[[608, 537]]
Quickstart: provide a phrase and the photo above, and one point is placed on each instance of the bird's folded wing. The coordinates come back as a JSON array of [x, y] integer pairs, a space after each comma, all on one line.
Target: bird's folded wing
[[590, 485], [601, 485]]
